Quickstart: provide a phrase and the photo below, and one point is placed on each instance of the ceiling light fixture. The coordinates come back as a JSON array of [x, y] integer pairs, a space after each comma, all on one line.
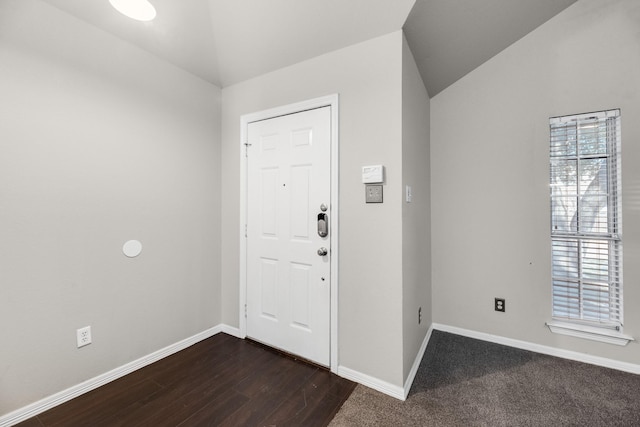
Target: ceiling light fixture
[[140, 10]]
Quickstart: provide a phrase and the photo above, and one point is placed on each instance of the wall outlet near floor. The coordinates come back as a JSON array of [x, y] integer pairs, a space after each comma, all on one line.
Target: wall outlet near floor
[[499, 304], [83, 336], [419, 315]]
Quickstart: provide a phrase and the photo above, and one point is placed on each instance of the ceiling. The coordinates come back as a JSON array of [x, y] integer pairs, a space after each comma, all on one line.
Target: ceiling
[[229, 41], [450, 38]]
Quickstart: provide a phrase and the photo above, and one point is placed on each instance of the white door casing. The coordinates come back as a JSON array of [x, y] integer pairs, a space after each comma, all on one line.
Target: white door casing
[[290, 292]]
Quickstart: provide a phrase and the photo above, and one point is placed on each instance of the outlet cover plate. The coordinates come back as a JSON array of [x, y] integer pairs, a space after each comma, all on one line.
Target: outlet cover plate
[[83, 336]]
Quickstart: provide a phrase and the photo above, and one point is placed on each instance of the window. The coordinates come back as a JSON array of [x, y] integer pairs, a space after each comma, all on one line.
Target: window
[[586, 228]]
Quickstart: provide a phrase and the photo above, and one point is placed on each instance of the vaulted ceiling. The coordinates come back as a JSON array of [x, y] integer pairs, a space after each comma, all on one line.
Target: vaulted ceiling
[[450, 38], [228, 41]]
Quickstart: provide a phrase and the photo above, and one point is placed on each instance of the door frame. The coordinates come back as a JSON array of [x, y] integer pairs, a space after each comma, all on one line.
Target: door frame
[[326, 101]]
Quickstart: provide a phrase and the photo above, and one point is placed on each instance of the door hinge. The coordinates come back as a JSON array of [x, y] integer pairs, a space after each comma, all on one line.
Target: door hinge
[[245, 230], [245, 311], [246, 149]]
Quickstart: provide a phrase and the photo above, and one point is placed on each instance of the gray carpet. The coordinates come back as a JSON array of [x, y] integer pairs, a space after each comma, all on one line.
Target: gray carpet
[[467, 382]]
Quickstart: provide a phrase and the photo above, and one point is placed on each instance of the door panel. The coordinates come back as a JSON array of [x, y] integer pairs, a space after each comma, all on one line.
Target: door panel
[[269, 179], [299, 274], [300, 203], [268, 288], [288, 283]]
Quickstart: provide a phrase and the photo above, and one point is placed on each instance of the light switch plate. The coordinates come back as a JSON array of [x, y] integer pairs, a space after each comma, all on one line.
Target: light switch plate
[[373, 193]]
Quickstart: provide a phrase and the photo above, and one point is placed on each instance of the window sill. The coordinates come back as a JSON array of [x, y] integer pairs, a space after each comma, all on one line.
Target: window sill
[[589, 332]]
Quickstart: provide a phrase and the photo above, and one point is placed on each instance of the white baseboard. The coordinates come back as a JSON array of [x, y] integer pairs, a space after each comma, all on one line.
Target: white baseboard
[[230, 330], [372, 382], [416, 363], [392, 390], [47, 403], [551, 351]]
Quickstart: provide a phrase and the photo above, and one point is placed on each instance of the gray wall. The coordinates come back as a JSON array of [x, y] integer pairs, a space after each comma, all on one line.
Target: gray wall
[[489, 160], [416, 216], [101, 143], [367, 77]]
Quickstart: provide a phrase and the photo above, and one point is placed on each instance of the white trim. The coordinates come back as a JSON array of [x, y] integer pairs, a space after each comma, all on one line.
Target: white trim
[[571, 118], [389, 389], [326, 101], [230, 330], [608, 336], [372, 382], [242, 284], [61, 397], [335, 252], [416, 363], [551, 351]]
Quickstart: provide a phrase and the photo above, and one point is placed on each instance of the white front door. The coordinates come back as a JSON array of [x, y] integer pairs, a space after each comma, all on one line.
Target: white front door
[[288, 198]]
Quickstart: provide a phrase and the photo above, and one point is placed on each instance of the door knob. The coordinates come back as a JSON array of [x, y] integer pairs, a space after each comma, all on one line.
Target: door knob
[[322, 251]]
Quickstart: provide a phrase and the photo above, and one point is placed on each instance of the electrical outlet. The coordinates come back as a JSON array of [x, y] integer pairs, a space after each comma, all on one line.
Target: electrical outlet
[[83, 336], [499, 304], [419, 315]]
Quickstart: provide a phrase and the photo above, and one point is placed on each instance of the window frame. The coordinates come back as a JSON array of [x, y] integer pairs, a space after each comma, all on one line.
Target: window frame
[[596, 318]]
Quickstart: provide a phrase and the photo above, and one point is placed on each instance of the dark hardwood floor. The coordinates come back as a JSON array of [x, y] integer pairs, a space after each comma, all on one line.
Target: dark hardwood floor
[[221, 381]]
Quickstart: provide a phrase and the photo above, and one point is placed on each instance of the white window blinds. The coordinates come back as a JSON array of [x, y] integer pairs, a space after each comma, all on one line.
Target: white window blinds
[[586, 218]]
